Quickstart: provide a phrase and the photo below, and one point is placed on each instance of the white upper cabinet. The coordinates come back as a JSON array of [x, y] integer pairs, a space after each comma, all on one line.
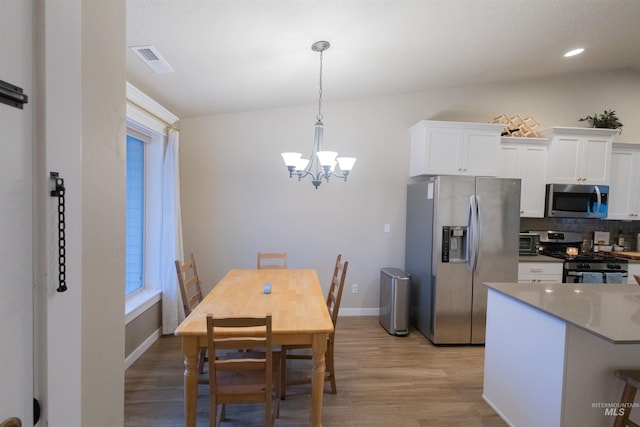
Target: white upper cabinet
[[579, 155], [624, 183], [455, 148], [526, 158]]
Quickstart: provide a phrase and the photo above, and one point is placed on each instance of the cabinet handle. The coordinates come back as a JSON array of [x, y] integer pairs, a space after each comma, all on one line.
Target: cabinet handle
[[535, 270]]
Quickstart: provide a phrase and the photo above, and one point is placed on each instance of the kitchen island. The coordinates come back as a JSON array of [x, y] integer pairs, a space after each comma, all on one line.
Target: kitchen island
[[551, 350]]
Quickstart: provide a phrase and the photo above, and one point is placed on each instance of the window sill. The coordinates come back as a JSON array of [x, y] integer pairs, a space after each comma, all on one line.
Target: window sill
[[139, 302]]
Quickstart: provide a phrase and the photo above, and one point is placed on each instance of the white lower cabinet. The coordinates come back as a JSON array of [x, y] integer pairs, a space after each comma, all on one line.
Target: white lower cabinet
[[539, 272]]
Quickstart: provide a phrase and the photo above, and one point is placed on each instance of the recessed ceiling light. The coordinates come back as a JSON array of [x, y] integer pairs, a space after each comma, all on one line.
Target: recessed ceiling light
[[574, 52]]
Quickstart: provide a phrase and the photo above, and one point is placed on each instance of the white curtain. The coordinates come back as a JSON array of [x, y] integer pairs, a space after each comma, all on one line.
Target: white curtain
[[172, 311]]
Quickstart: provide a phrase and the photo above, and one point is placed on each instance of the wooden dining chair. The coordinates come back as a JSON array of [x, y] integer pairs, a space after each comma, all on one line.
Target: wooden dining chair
[[273, 260], [242, 377], [191, 292], [631, 380], [637, 277], [333, 305]]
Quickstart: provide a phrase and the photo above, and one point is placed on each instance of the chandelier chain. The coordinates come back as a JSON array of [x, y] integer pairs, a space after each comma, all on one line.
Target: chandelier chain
[[319, 117]]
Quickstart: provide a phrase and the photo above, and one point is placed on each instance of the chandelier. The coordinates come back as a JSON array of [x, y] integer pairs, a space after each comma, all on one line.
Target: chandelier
[[321, 164]]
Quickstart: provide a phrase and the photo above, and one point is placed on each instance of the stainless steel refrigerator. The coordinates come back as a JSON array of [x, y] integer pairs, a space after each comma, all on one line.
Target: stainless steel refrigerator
[[461, 231]]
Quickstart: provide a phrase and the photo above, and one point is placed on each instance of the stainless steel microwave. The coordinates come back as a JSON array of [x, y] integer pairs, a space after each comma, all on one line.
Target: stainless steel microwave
[[576, 201], [529, 244]]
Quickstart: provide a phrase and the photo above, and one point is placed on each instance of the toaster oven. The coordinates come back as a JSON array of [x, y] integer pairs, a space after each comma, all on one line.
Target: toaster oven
[[529, 243]]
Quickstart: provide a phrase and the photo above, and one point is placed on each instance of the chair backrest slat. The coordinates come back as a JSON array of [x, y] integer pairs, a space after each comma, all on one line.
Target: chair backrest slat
[[337, 286], [258, 338], [189, 283], [272, 260]]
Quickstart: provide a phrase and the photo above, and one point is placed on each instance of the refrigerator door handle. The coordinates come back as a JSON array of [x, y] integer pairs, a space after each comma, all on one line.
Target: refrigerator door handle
[[475, 233], [473, 252]]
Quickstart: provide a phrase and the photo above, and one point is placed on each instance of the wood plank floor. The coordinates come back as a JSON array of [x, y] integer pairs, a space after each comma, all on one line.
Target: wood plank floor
[[382, 381]]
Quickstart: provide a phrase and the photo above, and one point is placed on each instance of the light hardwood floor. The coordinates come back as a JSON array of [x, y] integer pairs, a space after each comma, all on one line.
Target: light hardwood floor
[[382, 380]]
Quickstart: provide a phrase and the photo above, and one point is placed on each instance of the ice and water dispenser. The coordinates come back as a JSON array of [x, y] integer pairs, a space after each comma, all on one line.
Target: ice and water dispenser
[[454, 243]]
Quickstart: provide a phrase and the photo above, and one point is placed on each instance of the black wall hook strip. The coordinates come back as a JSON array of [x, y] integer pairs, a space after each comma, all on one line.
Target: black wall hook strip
[[12, 95], [59, 192]]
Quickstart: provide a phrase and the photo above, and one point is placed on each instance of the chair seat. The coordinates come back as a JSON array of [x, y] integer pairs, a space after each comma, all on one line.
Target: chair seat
[[246, 382]]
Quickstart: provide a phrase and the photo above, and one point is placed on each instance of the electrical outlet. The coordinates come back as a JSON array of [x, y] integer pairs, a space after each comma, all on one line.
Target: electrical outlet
[[354, 288]]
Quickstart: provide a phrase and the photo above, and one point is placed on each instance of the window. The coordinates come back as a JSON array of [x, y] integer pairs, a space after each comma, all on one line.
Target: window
[[135, 214], [144, 147]]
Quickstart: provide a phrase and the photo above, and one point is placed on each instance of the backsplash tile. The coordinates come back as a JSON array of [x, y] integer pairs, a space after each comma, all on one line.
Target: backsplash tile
[[630, 229]]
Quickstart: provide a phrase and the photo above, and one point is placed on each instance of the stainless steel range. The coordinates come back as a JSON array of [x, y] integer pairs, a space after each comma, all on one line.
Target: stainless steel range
[[580, 266]]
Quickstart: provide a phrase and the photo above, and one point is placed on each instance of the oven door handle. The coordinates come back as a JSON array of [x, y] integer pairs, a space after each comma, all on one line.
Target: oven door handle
[[579, 273]]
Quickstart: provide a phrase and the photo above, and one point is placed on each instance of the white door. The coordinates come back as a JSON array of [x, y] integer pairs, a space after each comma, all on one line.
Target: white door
[[16, 171]]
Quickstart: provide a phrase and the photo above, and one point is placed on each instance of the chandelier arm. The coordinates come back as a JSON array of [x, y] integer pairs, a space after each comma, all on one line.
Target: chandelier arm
[[332, 173]]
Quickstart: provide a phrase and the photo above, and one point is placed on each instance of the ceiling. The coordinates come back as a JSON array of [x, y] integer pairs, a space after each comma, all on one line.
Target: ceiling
[[243, 55]]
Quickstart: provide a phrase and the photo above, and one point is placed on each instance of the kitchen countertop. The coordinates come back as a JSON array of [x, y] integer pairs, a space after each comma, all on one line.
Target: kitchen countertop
[[611, 312]]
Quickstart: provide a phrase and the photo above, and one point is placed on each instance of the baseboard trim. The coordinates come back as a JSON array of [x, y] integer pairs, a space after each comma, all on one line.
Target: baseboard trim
[[359, 312], [128, 361]]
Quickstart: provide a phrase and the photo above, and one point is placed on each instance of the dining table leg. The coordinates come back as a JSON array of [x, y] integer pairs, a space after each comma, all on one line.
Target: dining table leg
[[190, 351], [319, 348]]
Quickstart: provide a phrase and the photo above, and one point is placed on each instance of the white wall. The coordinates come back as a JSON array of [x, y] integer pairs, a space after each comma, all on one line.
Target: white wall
[[16, 181], [237, 198], [80, 132], [103, 211]]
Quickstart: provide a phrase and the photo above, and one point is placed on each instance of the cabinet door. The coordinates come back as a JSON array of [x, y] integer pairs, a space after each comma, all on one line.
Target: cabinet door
[[480, 152], [620, 185], [624, 185], [444, 151], [580, 160], [565, 160], [509, 166], [594, 164], [529, 163], [533, 169], [435, 151]]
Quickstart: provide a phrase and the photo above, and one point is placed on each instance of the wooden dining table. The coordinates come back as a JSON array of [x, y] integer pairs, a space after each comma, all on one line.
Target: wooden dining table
[[299, 312]]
